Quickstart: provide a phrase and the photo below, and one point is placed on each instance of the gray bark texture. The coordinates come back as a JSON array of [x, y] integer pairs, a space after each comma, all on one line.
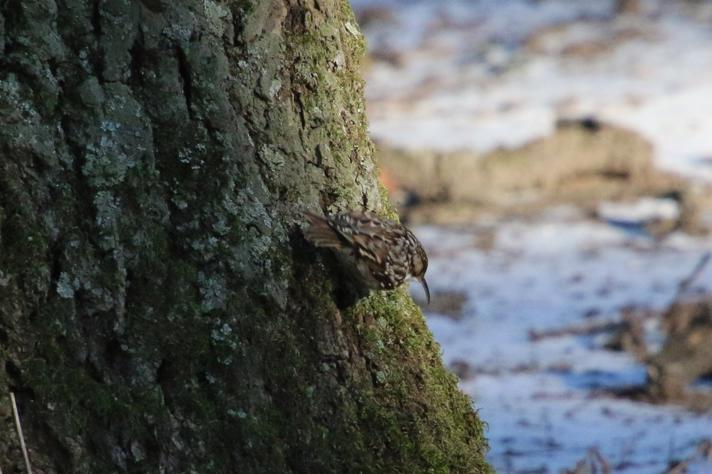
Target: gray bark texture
[[160, 310]]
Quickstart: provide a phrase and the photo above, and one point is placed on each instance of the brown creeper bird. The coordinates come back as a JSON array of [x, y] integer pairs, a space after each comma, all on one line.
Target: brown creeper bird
[[387, 253]]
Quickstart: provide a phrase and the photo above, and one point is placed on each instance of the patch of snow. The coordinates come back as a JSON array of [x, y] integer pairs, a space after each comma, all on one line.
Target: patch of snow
[[640, 211], [483, 74], [541, 396]]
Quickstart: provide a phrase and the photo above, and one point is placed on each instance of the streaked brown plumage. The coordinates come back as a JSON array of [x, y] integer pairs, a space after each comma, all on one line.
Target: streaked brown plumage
[[387, 253]]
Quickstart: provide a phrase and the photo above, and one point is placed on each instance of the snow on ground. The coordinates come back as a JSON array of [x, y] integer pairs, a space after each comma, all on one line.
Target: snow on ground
[[643, 210], [480, 74], [540, 397], [483, 74]]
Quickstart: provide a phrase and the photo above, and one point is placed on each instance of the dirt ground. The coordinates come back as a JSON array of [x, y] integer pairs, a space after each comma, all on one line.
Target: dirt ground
[[582, 163]]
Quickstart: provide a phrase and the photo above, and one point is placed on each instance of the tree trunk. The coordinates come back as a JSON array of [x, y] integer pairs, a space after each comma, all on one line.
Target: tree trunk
[[160, 310]]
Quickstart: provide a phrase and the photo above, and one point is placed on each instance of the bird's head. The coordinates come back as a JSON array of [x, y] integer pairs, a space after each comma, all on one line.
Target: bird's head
[[419, 265]]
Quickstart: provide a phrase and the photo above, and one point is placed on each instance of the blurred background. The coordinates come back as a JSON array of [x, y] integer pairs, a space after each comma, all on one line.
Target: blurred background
[[555, 157]]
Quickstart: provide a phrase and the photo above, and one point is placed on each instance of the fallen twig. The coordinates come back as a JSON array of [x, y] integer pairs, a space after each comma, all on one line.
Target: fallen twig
[[703, 453], [595, 454], [592, 463], [577, 330], [684, 285], [18, 426]]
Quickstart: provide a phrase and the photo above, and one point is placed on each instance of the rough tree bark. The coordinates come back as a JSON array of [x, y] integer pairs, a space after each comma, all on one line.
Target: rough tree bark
[[159, 308]]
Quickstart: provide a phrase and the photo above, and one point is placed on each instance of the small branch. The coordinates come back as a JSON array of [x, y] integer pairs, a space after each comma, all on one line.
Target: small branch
[[18, 426], [576, 330], [703, 454], [678, 468], [686, 282], [596, 455]]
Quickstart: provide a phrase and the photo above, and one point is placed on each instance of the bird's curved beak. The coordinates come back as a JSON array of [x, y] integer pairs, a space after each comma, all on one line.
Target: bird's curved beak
[[425, 287]]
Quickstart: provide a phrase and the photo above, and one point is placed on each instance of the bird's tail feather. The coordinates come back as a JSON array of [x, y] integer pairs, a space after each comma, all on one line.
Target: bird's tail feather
[[320, 232]]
